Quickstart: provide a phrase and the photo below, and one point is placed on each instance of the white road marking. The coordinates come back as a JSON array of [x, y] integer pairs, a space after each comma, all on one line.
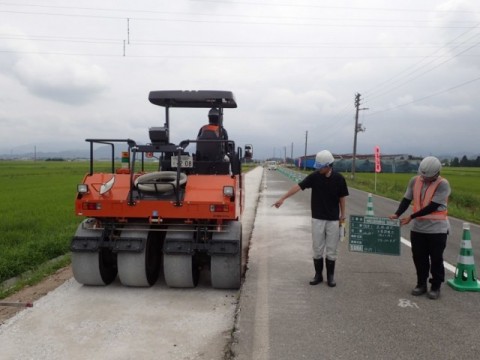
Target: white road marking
[[447, 265]]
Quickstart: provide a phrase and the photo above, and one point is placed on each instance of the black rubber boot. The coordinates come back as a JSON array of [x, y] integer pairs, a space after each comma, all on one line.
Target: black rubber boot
[[434, 292], [330, 272], [420, 289], [318, 264]]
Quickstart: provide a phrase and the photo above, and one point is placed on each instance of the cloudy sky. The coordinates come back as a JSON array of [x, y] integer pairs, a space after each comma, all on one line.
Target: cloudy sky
[[70, 71]]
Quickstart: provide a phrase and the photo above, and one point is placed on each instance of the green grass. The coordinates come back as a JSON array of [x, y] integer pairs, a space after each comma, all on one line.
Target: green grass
[[464, 201], [37, 207], [36, 275]]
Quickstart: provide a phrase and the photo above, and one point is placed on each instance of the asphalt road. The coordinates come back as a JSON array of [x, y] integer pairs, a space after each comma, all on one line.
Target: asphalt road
[[369, 315]]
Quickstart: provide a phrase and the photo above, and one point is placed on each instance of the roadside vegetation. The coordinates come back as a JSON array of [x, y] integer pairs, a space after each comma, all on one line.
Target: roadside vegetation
[[37, 222], [464, 201]]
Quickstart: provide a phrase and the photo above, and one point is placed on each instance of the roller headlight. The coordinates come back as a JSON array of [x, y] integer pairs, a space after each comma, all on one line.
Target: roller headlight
[[82, 188], [228, 191]]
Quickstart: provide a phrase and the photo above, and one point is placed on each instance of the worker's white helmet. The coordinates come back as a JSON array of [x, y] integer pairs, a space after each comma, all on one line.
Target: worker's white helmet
[[429, 167], [323, 159]]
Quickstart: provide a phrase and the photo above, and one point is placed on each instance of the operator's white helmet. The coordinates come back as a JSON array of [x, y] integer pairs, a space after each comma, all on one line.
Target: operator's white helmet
[[323, 159], [429, 167]]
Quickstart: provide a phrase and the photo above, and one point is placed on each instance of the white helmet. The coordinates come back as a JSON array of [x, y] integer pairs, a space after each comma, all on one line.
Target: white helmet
[[429, 167], [323, 159]]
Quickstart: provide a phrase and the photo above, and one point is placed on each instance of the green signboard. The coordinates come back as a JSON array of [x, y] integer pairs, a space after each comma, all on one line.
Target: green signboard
[[372, 234]]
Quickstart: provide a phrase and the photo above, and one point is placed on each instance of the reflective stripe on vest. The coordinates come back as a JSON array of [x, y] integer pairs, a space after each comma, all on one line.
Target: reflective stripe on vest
[[419, 203]]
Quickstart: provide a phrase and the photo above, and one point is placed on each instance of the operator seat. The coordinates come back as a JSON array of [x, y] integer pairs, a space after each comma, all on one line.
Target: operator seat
[[210, 148]]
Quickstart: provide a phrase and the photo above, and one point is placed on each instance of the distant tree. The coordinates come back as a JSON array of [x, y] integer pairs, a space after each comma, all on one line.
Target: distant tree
[[464, 162], [455, 162], [476, 162]]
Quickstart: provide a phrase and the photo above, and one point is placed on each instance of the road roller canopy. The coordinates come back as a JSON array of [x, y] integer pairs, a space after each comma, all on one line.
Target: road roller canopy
[[193, 99]]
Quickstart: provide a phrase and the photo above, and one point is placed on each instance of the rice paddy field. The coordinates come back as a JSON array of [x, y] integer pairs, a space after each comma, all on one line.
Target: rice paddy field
[[37, 207], [37, 213], [464, 201]]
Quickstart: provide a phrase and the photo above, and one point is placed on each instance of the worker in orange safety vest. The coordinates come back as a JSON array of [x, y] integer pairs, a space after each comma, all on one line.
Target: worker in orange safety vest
[[429, 193], [215, 124], [212, 146]]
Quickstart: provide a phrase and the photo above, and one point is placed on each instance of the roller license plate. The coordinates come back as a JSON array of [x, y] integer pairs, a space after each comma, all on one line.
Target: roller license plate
[[186, 161]]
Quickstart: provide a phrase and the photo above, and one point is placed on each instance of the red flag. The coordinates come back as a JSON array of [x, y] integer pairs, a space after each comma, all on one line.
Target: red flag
[[378, 165]]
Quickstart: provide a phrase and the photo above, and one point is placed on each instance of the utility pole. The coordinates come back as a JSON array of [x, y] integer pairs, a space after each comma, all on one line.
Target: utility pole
[[305, 158], [128, 31], [291, 154], [358, 128]]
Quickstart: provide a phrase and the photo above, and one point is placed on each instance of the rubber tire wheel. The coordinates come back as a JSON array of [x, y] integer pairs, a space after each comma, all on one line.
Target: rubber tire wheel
[[226, 270], [180, 271], [94, 268], [139, 269]]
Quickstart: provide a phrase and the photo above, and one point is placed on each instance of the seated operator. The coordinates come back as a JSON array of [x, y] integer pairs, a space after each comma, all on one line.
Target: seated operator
[[214, 150], [215, 124]]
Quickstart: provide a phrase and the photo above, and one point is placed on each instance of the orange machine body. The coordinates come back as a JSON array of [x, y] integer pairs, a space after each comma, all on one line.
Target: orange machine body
[[203, 198]]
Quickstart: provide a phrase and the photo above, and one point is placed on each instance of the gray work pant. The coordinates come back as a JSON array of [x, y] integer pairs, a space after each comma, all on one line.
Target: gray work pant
[[325, 238]]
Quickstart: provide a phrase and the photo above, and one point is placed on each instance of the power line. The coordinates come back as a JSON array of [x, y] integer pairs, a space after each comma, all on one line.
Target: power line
[[233, 57], [177, 43], [296, 5], [415, 68], [62, 39], [427, 71], [323, 45], [369, 23], [229, 2], [329, 19], [427, 96], [406, 70]]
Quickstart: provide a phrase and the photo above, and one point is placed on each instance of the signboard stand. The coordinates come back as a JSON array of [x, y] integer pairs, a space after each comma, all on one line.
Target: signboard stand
[[373, 234]]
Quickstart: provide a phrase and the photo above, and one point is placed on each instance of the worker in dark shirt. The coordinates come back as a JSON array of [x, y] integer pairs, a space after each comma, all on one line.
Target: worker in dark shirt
[[327, 203]]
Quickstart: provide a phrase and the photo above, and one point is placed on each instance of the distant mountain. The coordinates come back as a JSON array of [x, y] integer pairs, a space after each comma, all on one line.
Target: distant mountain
[[101, 153], [82, 151]]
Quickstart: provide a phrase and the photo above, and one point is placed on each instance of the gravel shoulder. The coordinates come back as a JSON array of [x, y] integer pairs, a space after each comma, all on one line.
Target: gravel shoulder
[[30, 294]]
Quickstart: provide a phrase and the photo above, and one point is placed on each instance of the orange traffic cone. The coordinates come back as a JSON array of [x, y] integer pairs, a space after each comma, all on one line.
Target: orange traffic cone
[[465, 273]]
